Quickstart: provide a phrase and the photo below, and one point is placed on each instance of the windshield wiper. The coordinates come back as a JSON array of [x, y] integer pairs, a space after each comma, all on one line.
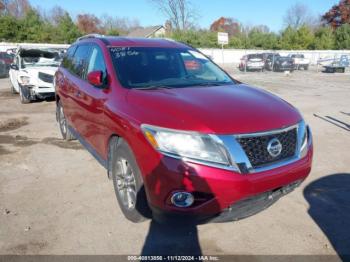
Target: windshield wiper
[[213, 84], [153, 87]]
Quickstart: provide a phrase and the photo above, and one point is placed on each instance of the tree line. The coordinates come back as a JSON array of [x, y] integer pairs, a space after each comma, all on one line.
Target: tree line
[[302, 31], [20, 22], [303, 38]]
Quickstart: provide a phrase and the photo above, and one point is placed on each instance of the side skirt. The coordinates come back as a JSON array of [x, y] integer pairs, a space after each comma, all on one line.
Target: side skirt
[[89, 148]]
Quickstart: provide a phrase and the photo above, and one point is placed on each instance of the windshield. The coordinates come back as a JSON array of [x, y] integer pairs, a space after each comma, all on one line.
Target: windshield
[[146, 67], [34, 58], [255, 56]]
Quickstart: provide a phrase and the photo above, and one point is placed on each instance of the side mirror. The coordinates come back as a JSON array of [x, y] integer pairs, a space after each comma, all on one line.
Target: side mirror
[[14, 66], [95, 78]]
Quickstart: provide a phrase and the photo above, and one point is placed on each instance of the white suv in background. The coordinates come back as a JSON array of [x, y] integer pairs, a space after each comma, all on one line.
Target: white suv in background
[[33, 71]]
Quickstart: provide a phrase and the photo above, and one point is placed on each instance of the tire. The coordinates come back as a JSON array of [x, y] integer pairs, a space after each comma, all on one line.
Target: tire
[[13, 90], [306, 67], [23, 98], [127, 182], [62, 121]]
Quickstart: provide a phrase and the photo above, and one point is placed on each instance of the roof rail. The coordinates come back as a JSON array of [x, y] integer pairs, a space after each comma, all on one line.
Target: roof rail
[[167, 38], [89, 36]]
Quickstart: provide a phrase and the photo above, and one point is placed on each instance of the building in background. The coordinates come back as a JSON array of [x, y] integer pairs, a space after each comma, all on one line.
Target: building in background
[[148, 32]]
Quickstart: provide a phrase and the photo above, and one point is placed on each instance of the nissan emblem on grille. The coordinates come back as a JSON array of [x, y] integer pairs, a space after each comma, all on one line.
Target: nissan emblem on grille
[[274, 147]]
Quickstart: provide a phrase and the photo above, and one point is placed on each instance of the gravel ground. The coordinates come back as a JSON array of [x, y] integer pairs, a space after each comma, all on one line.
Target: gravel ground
[[56, 199]]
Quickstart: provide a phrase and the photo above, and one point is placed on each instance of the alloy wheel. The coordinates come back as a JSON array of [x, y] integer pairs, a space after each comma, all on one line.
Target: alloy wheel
[[62, 120], [126, 184]]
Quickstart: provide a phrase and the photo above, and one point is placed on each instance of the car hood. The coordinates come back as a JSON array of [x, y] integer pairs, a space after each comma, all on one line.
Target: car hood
[[233, 109]]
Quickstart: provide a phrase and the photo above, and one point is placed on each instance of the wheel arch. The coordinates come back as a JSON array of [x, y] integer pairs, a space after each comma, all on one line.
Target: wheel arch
[[57, 99], [113, 137]]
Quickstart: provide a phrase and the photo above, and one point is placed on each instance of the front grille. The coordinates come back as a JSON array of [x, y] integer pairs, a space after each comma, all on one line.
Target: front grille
[[46, 77], [256, 147]]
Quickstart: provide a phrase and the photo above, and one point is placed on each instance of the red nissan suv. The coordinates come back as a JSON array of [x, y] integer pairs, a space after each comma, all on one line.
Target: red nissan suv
[[178, 136]]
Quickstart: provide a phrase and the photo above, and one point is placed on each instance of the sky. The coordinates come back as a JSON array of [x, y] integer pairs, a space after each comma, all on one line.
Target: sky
[[251, 12]]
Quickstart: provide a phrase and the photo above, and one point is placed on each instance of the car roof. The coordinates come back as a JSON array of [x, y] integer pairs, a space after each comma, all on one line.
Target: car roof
[[119, 41]]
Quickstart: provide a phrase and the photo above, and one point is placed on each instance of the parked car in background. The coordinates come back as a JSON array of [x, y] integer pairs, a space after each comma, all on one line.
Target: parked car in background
[[32, 73], [252, 62], [3, 69], [277, 63], [180, 139], [300, 61], [8, 59]]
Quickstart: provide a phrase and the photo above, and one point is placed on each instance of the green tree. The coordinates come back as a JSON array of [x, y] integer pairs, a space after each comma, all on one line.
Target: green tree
[[208, 39], [301, 38], [288, 37], [324, 39], [305, 37], [201, 38], [67, 31], [9, 28], [32, 27], [236, 42], [271, 41], [240, 41], [342, 37], [259, 39], [112, 31]]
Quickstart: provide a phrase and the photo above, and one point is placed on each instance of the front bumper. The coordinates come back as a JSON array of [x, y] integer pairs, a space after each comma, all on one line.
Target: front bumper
[[255, 67], [220, 195], [285, 67], [35, 92], [239, 210]]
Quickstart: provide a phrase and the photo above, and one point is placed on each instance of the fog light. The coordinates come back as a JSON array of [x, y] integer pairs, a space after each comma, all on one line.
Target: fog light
[[182, 199]]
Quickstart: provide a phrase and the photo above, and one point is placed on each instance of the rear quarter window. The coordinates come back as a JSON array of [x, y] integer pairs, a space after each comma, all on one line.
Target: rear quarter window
[[81, 60], [67, 61]]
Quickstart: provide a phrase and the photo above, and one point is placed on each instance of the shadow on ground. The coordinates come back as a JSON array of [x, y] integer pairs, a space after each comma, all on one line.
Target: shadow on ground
[[329, 200], [165, 239]]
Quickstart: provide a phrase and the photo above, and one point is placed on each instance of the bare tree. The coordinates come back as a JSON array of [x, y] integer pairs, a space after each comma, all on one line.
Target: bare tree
[[16, 8], [180, 13], [4, 6], [262, 29], [298, 15], [120, 24], [56, 14]]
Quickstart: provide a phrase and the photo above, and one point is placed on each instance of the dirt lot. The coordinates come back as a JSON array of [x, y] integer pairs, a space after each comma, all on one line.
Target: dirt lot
[[56, 199]]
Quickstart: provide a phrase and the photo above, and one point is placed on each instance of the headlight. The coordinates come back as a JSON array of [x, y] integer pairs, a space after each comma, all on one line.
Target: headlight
[[24, 80], [190, 145], [305, 139]]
